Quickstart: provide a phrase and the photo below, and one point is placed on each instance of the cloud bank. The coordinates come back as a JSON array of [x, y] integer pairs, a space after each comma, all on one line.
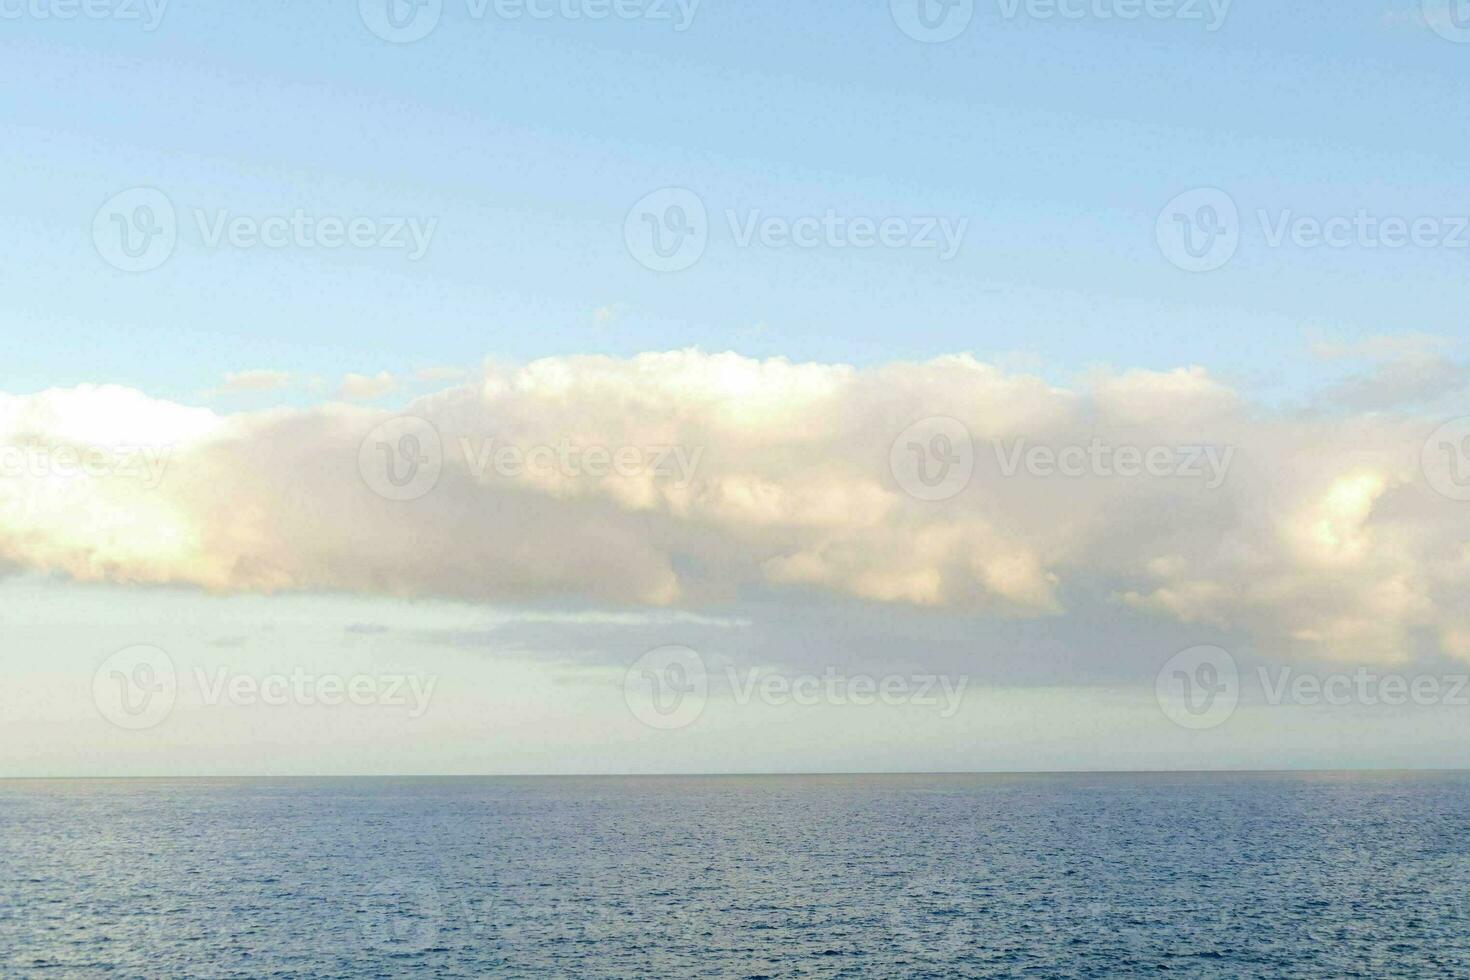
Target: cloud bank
[[688, 479]]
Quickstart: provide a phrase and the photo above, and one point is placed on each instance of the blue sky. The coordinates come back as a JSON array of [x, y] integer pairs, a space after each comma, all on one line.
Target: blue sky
[[528, 141], [805, 535]]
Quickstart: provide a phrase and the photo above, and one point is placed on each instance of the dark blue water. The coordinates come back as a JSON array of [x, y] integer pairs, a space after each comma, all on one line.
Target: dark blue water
[[1047, 876]]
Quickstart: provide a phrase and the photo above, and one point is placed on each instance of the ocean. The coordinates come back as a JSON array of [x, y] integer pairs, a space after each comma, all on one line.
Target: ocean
[[1076, 875]]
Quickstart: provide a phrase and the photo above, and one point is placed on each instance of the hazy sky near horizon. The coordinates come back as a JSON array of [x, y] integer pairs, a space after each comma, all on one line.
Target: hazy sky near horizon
[[505, 443]]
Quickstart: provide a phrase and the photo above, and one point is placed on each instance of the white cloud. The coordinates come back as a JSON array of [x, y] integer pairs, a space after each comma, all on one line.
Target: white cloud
[[260, 380], [439, 373], [364, 387], [1404, 369], [1380, 347], [1322, 540]]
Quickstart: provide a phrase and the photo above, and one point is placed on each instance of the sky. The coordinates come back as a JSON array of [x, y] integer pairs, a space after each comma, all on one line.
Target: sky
[[630, 387]]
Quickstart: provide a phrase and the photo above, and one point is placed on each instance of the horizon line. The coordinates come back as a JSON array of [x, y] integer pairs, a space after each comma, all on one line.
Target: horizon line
[[758, 775]]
